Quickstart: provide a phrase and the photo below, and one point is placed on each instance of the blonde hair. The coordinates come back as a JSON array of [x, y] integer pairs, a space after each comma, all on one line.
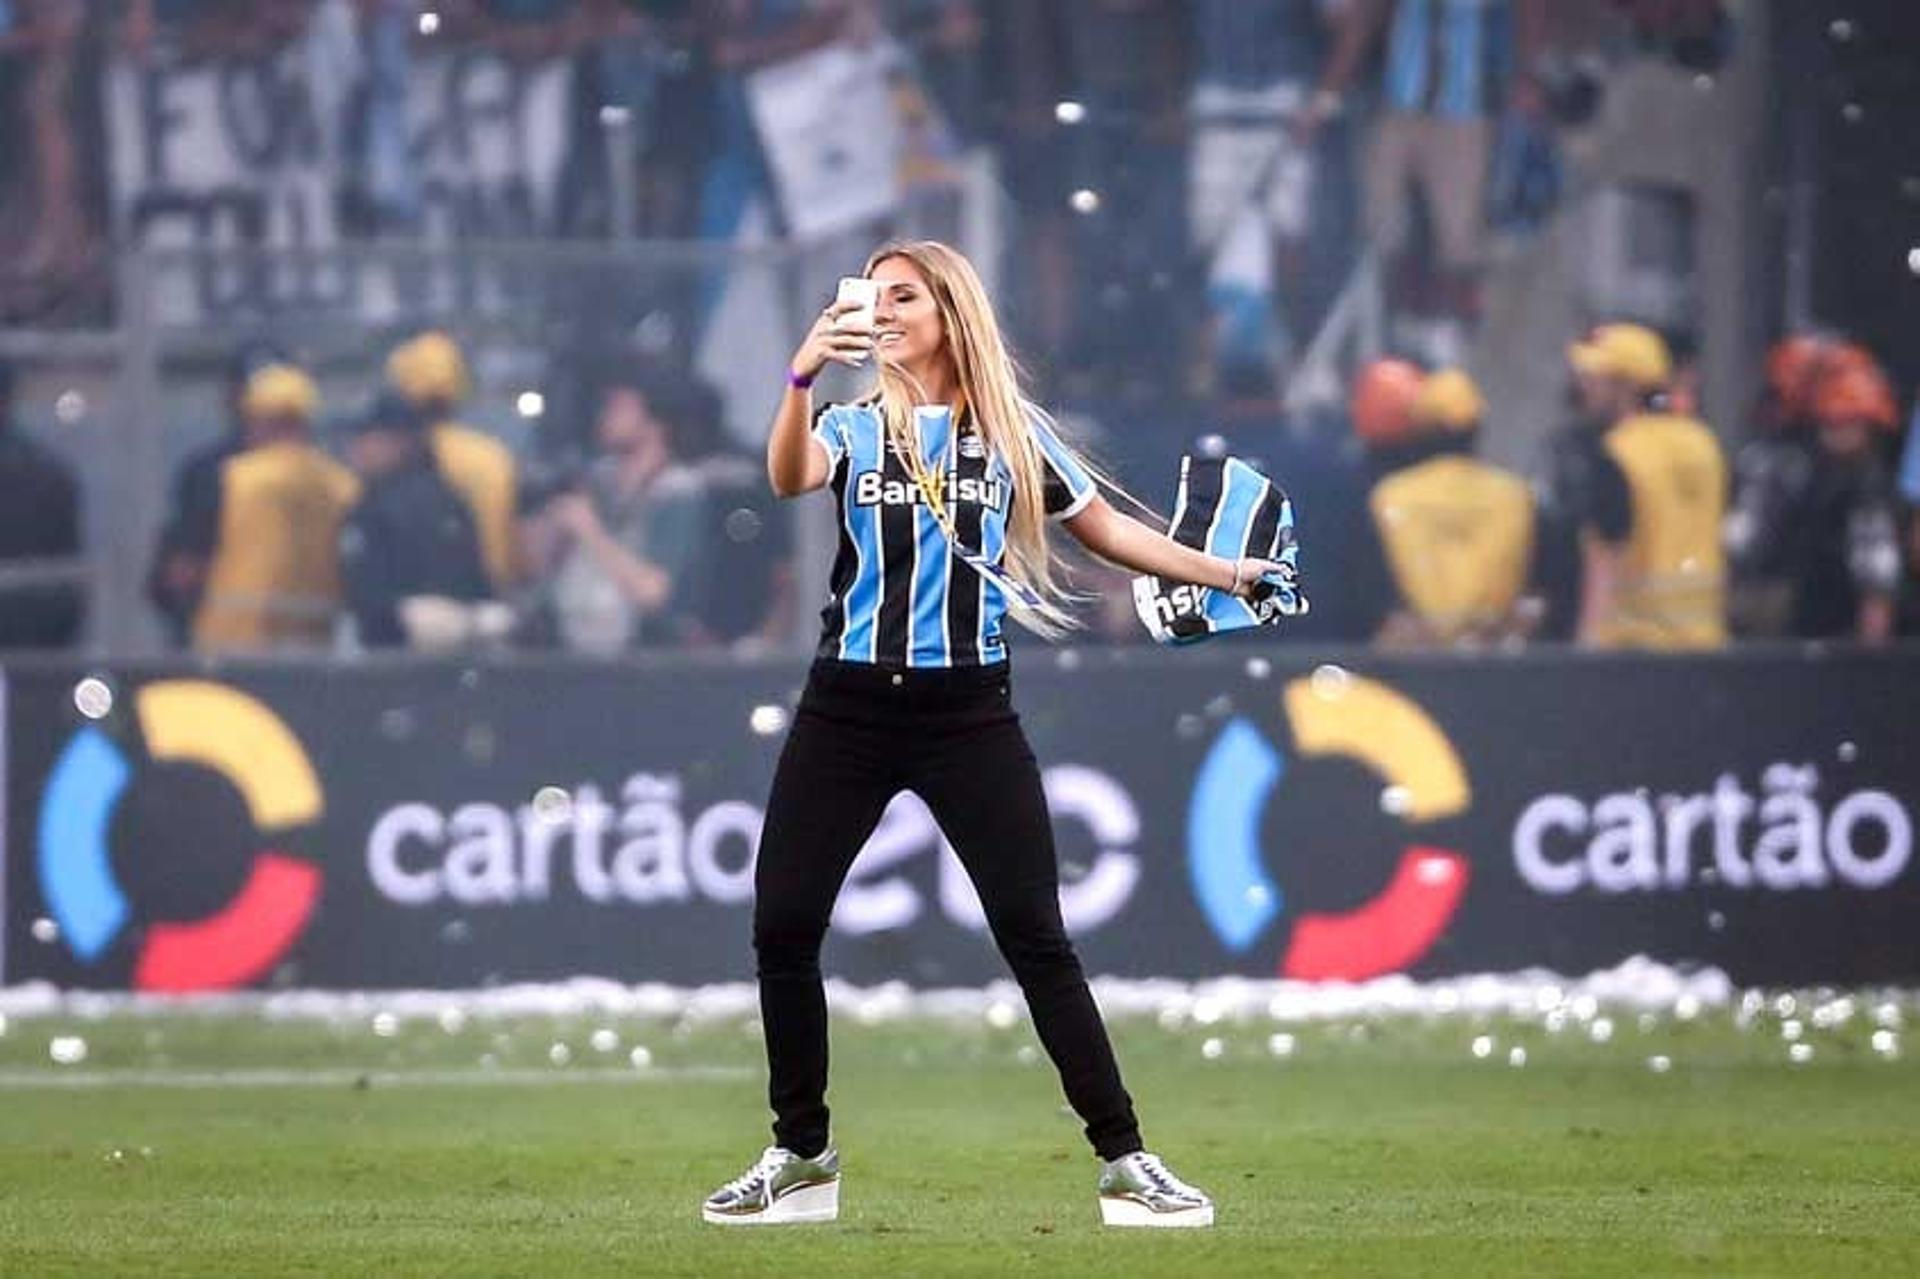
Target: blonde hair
[[989, 381]]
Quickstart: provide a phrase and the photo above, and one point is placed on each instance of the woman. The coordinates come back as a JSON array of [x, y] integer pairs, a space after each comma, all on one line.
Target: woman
[[945, 480]]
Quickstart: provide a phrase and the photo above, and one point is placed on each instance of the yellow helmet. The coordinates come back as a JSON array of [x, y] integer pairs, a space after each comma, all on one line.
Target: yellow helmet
[[280, 390], [1632, 352], [1449, 400], [429, 367]]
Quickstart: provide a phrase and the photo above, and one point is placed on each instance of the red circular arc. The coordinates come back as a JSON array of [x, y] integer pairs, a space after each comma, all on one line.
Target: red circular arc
[[1387, 932], [236, 945]]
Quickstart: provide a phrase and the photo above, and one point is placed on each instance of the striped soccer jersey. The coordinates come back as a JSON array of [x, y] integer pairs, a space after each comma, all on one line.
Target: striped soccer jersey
[[899, 596], [1449, 58]]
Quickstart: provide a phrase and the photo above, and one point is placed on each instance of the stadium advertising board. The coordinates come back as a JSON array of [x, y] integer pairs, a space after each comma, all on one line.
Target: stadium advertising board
[[1237, 811]]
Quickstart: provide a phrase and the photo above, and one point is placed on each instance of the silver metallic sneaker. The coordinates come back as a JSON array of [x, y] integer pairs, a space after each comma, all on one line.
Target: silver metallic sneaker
[[1137, 1190], [780, 1189]]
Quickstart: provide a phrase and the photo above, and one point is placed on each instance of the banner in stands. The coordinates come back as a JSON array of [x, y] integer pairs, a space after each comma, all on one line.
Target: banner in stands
[[314, 145], [1241, 811]]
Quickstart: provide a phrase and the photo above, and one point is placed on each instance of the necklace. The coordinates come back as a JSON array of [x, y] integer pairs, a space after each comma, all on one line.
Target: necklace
[[932, 487]]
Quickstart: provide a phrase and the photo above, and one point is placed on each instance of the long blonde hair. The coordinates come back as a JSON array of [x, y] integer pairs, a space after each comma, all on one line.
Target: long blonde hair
[[989, 382]]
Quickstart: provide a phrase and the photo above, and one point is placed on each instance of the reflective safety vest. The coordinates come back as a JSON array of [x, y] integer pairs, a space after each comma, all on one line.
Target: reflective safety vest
[[1673, 589], [481, 470], [1458, 538], [275, 574]]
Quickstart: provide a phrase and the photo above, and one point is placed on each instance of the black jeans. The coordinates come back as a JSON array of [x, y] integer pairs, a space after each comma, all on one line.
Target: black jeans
[[862, 735]]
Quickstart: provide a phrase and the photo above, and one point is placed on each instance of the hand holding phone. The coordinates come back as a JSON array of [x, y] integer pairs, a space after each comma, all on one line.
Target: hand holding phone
[[844, 332], [863, 295]]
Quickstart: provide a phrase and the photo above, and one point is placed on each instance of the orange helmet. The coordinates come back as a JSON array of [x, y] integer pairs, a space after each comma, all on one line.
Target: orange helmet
[[1851, 388], [1793, 366], [1382, 401], [1849, 355]]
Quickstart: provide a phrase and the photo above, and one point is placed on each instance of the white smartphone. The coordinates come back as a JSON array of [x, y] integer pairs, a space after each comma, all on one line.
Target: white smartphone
[[863, 293]]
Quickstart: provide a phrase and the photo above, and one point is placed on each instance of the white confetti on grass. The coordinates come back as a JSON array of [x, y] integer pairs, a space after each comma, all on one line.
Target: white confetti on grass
[[14, 1080], [1534, 996]]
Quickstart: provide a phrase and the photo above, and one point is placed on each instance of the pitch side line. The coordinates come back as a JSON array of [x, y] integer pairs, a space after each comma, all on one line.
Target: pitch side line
[[332, 1078]]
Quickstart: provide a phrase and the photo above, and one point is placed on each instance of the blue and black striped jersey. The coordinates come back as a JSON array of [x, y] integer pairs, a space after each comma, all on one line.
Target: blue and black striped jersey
[[899, 596]]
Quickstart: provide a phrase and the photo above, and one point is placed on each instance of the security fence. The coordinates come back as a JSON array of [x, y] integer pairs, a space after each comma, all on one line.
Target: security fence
[[126, 405]]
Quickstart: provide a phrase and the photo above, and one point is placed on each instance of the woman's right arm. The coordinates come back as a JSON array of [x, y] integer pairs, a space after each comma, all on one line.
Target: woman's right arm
[[796, 462]]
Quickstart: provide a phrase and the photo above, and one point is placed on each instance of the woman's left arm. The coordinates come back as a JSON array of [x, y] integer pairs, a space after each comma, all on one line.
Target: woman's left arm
[[1123, 540]]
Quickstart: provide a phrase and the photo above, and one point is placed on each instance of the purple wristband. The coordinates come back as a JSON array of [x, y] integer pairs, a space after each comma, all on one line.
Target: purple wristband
[[796, 381]]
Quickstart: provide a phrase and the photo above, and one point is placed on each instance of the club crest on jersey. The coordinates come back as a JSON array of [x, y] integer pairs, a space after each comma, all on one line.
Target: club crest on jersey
[[870, 488]]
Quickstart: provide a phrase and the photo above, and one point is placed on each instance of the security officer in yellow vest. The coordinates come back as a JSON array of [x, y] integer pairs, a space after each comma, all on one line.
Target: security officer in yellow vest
[[1451, 558], [1646, 490], [431, 374], [274, 577]]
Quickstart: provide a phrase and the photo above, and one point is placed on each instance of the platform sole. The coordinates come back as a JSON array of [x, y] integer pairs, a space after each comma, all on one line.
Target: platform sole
[[795, 1208], [1117, 1211]]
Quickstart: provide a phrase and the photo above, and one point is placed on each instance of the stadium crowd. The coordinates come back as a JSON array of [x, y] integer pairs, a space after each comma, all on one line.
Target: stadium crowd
[[1162, 156], [417, 530], [1192, 178]]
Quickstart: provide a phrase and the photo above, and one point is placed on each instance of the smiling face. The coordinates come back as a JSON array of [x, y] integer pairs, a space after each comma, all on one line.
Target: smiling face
[[907, 327]]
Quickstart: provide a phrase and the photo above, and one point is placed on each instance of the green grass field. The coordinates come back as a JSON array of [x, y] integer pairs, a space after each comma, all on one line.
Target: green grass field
[[197, 1145]]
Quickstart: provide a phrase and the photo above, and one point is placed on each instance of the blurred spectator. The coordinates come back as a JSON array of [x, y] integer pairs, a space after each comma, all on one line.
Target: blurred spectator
[[738, 589], [47, 235], [929, 145], [678, 142], [1126, 63], [1526, 177], [216, 28], [1910, 459], [1772, 471], [409, 553], [274, 577], [1645, 491], [517, 30], [1843, 553], [1090, 107], [39, 519], [1251, 172], [430, 373], [620, 544], [624, 56], [178, 573], [390, 188], [1908, 485], [1450, 71], [945, 38], [742, 36], [1025, 77], [1453, 541], [1695, 34]]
